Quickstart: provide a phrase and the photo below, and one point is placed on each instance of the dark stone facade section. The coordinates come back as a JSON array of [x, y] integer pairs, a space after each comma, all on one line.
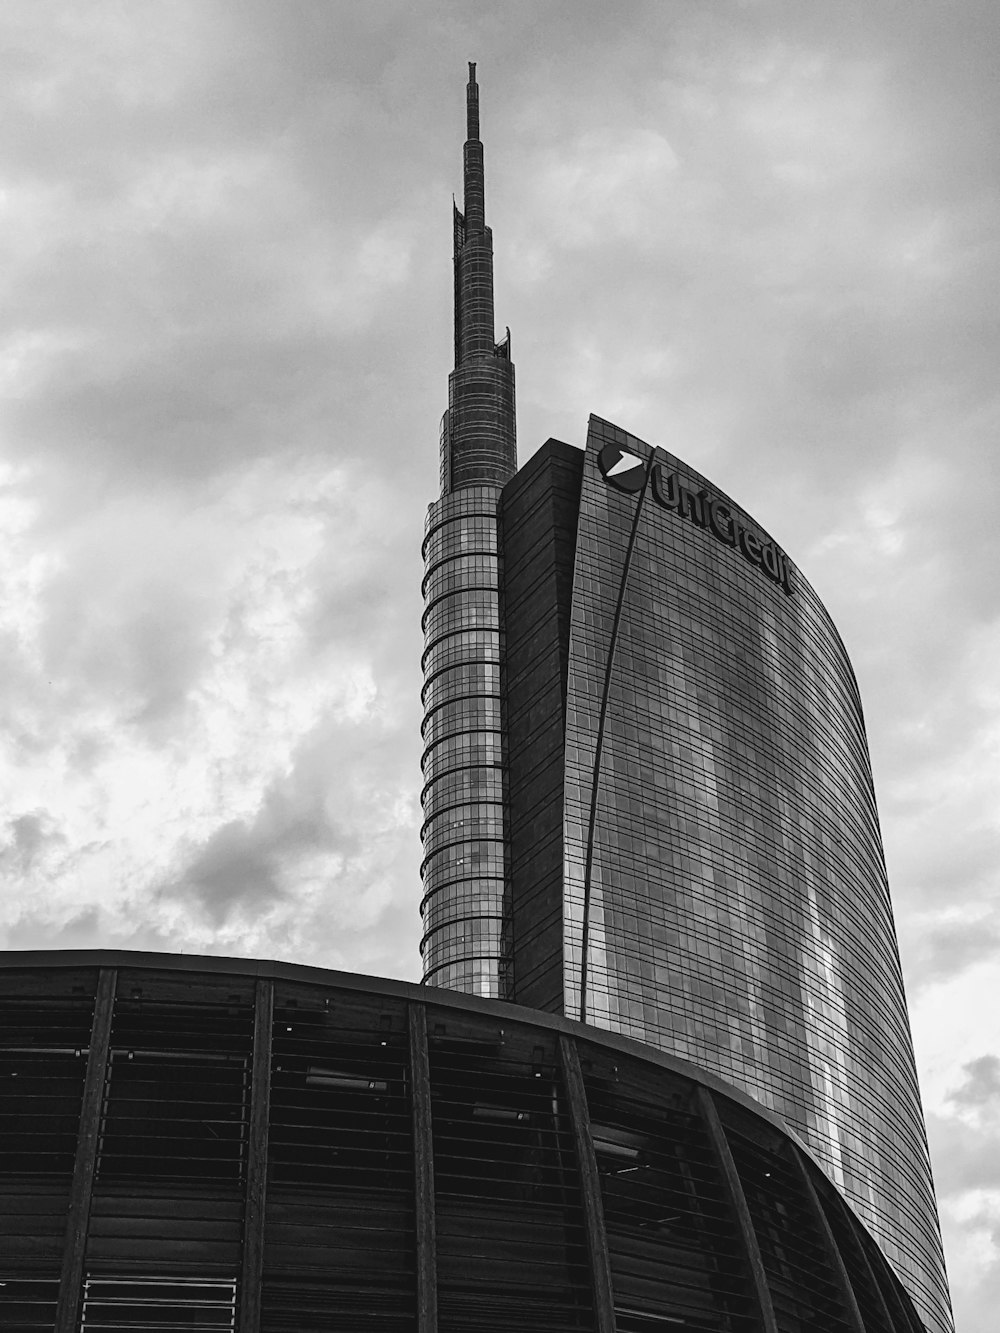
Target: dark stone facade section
[[537, 543]]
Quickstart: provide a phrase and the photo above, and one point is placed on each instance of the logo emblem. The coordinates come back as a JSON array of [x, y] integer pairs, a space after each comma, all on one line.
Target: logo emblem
[[624, 470]]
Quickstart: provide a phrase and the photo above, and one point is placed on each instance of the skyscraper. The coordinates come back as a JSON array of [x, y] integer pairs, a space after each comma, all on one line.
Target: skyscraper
[[685, 848], [649, 807], [462, 870]]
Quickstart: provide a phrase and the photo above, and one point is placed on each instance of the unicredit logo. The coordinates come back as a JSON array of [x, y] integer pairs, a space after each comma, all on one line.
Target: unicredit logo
[[627, 472], [624, 470]]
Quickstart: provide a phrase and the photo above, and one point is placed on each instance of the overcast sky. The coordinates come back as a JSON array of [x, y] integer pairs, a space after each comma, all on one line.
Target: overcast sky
[[764, 235]]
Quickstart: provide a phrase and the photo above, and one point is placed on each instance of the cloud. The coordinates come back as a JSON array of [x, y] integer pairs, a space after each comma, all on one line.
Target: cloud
[[763, 235], [30, 839], [981, 1090], [189, 656], [949, 943], [965, 1144], [315, 866]]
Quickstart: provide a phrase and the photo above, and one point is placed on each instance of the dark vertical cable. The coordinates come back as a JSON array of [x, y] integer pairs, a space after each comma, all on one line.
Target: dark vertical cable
[[85, 1164], [847, 1291], [252, 1267], [599, 743], [423, 1171], [734, 1186], [599, 1262]]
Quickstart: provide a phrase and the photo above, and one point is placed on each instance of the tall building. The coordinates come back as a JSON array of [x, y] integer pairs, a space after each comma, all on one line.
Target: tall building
[[649, 808], [463, 878], [685, 847], [694, 851]]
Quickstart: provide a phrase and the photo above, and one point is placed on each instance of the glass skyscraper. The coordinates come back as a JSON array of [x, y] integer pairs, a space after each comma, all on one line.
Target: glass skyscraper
[[694, 852], [462, 869], [649, 808], [649, 802]]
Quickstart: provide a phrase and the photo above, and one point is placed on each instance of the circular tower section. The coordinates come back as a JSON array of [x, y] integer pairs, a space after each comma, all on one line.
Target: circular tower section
[[462, 870]]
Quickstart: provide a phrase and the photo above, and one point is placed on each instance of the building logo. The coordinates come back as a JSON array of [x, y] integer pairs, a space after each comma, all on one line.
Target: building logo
[[627, 472], [624, 470]]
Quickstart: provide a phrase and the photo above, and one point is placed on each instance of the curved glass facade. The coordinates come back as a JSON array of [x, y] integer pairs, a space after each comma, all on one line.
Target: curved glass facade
[[463, 877], [725, 896]]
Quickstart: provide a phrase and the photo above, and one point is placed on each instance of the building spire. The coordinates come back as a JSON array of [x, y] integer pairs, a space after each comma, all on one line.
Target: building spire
[[474, 181], [478, 437], [472, 104]]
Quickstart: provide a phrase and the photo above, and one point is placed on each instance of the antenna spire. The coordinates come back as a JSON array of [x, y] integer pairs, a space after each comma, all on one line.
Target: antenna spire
[[472, 104], [474, 178], [477, 445]]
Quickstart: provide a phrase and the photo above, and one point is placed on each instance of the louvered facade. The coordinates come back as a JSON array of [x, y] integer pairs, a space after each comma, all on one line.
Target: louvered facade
[[208, 1144]]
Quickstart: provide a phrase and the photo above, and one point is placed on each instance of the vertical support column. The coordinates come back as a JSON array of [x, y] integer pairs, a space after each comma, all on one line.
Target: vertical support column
[[423, 1170], [892, 1318], [252, 1267], [85, 1164], [847, 1291], [738, 1199], [900, 1312], [590, 1187]]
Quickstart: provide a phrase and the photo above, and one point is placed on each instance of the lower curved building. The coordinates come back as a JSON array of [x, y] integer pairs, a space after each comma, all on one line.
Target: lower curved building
[[203, 1144]]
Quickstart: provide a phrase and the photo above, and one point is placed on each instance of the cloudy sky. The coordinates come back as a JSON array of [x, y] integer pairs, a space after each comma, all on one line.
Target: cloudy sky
[[762, 234]]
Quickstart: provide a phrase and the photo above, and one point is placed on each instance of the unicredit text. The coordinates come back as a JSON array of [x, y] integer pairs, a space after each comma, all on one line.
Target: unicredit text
[[707, 511]]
